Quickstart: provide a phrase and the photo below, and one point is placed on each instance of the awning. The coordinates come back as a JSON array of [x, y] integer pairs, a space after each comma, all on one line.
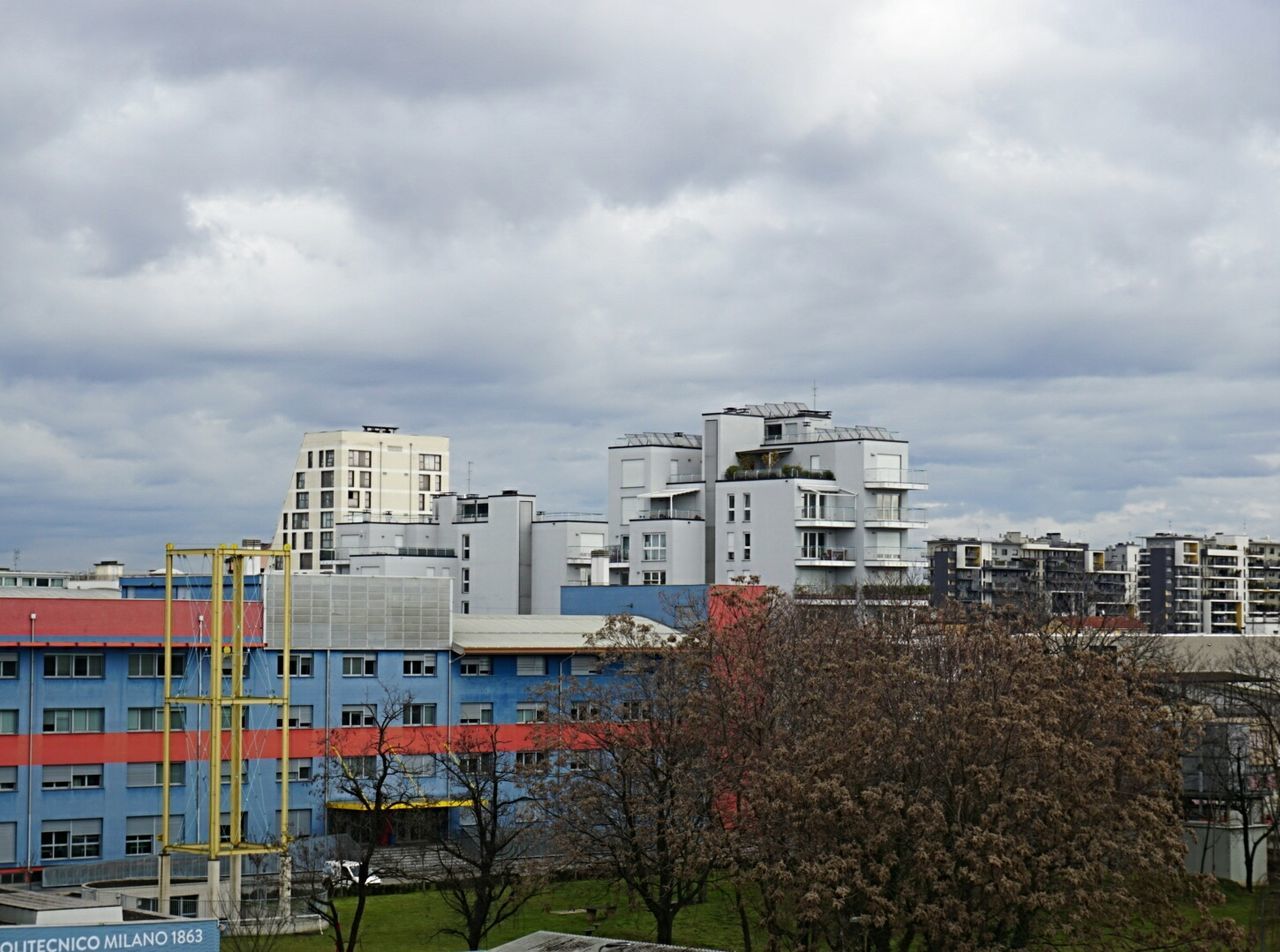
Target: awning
[[665, 493], [419, 804]]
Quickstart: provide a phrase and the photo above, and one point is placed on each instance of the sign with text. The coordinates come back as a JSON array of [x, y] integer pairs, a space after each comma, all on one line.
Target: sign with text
[[187, 935]]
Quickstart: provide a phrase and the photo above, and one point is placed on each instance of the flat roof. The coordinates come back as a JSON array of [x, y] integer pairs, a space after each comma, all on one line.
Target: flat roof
[[39, 901], [530, 633]]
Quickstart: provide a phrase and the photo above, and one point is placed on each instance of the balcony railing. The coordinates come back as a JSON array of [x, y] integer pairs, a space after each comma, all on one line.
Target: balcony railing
[[649, 514], [892, 554], [913, 516], [401, 550], [815, 553], [368, 515], [587, 551], [685, 476], [617, 555], [895, 476], [571, 516], [777, 472], [826, 514]]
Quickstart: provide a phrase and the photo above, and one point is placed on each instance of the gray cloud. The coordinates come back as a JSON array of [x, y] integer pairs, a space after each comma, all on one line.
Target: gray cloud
[[1037, 241]]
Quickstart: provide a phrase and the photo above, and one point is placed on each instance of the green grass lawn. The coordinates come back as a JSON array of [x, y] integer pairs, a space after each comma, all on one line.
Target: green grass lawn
[[410, 922]]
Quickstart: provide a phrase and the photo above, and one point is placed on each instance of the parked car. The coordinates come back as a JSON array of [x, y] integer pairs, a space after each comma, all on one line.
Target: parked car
[[346, 873]]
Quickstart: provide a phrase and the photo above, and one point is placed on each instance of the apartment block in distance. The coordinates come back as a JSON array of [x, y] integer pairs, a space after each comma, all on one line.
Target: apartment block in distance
[[1047, 574], [341, 475], [773, 491], [1192, 583]]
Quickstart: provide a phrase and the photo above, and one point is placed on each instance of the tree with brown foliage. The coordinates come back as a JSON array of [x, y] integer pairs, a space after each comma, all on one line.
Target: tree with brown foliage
[[904, 779], [628, 787]]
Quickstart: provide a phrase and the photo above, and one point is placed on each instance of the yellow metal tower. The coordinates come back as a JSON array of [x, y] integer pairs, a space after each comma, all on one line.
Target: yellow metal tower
[[225, 646]]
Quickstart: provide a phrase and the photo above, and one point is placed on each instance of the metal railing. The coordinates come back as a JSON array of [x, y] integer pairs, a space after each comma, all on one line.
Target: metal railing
[[423, 553], [892, 554], [685, 476], [894, 474], [817, 553], [893, 515], [587, 551], [650, 514], [386, 515], [571, 516], [827, 514]]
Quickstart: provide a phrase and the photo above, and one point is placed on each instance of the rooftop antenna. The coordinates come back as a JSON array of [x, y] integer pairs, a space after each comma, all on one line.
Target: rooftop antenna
[[468, 477], [17, 558], [815, 395]]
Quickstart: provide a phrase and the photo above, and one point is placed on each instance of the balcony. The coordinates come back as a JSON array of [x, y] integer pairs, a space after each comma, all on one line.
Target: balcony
[[652, 514], [368, 515], [895, 478], [584, 553], [890, 518], [570, 517], [685, 476], [400, 550], [619, 556], [845, 515], [736, 473], [892, 555], [821, 555]]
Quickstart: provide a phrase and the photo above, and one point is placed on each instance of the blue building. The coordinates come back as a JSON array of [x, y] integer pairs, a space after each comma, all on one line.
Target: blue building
[[81, 707]]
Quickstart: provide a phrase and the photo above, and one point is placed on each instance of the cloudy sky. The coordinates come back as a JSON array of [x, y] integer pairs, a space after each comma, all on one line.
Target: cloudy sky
[[1037, 239]]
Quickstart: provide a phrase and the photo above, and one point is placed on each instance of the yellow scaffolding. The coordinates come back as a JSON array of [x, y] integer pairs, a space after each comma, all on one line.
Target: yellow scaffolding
[[225, 646]]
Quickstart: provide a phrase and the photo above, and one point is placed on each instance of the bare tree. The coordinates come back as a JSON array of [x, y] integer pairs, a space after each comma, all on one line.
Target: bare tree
[[629, 782], [368, 767], [487, 872]]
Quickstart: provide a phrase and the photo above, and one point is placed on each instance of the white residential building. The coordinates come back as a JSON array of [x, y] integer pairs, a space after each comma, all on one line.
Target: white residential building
[[770, 491], [504, 557], [344, 474]]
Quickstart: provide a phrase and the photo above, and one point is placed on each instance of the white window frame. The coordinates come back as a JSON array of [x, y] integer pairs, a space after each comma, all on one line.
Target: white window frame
[[531, 666], [360, 665], [475, 666], [655, 547], [584, 665], [423, 661], [475, 712]]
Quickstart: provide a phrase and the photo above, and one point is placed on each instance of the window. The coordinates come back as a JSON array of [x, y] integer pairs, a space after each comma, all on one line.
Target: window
[[73, 665], [326, 540], [746, 507], [359, 665], [306, 540], [152, 719], [814, 543], [8, 665], [300, 481], [224, 772], [299, 716], [326, 520], [422, 502], [530, 712], [150, 664], [746, 546], [466, 581], [359, 715], [302, 501], [359, 767], [301, 520], [66, 777], [475, 713], [419, 715], [186, 907], [299, 823], [531, 666], [306, 561], [475, 764], [419, 666], [654, 578], [729, 508], [326, 482], [633, 710], [815, 463], [8, 722], [475, 667], [71, 839], [326, 459], [310, 458], [466, 608], [301, 664], [140, 835], [8, 779], [424, 483], [730, 546], [368, 500], [583, 711], [430, 461], [360, 458], [73, 720], [466, 545], [151, 774], [300, 769], [418, 765], [583, 665], [530, 758], [244, 666], [655, 547]]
